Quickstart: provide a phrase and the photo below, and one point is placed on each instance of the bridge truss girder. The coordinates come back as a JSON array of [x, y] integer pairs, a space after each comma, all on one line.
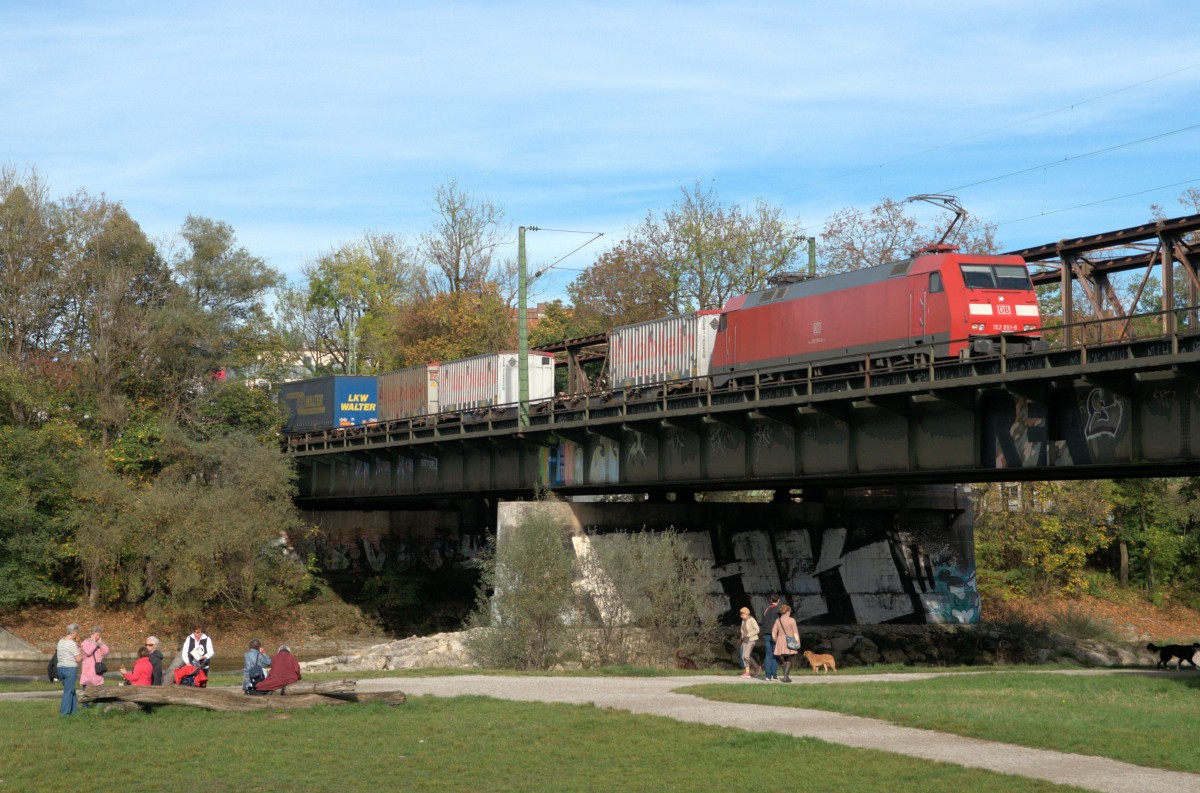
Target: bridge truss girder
[[1172, 246]]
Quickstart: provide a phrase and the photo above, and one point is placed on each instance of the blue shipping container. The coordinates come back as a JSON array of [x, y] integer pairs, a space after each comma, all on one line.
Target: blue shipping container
[[330, 402]]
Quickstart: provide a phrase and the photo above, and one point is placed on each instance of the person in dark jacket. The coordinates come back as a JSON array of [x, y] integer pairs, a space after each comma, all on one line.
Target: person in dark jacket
[[285, 670], [770, 664], [155, 657]]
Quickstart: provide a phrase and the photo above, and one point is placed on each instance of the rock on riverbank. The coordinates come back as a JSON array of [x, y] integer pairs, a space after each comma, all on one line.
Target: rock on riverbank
[[443, 650]]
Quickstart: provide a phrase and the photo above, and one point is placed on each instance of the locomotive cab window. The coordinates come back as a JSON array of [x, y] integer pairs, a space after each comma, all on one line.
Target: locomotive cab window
[[935, 283], [998, 276]]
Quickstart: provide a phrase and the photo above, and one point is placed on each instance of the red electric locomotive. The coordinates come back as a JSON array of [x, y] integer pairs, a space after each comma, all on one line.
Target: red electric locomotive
[[940, 301]]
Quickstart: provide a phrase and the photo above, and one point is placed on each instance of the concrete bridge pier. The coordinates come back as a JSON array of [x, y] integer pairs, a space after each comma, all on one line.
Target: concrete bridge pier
[[839, 556]]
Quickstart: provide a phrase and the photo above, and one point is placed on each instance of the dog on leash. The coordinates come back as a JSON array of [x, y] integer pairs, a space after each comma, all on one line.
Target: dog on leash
[[822, 661], [682, 661], [1167, 653]]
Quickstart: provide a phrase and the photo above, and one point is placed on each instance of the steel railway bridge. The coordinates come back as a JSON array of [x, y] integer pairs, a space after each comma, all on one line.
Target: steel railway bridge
[[1113, 396]]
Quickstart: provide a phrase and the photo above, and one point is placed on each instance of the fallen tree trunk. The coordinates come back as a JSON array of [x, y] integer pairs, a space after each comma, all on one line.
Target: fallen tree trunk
[[221, 700], [386, 697], [320, 687]]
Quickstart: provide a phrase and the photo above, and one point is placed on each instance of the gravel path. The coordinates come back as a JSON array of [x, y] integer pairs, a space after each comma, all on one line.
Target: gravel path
[[655, 696]]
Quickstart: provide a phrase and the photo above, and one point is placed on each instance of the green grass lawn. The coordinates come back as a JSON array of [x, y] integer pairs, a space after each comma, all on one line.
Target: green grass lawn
[[1140, 719], [432, 744]]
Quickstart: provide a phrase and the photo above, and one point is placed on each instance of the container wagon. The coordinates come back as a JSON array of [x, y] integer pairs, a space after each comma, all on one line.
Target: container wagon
[[662, 350], [492, 379], [326, 403], [408, 393]]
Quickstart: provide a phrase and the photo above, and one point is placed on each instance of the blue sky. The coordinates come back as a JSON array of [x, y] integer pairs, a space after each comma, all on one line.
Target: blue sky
[[304, 124]]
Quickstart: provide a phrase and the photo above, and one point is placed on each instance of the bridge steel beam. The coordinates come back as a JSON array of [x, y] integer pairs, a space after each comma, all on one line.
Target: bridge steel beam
[[1092, 260], [1098, 410]]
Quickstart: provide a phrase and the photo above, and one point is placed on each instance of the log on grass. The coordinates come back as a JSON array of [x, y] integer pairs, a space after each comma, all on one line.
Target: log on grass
[[329, 687], [386, 697], [221, 700]]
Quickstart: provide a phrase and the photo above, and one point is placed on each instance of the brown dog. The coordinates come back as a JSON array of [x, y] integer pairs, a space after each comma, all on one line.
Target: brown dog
[[820, 661], [682, 661]]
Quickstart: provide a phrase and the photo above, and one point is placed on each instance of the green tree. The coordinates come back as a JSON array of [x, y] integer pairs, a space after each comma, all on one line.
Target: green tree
[[557, 324], [711, 251], [105, 533], [31, 294], [227, 287], [1046, 531], [117, 287], [1150, 517], [344, 314], [214, 515], [37, 470], [232, 407]]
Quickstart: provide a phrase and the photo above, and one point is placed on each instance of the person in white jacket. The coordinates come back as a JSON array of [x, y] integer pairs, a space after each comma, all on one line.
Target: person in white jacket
[[198, 648]]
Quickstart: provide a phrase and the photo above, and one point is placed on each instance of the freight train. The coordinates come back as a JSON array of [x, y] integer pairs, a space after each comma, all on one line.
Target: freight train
[[937, 305]]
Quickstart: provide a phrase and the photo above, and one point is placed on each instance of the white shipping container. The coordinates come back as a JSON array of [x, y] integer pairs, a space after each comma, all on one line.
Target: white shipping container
[[493, 379], [409, 392], [662, 350]]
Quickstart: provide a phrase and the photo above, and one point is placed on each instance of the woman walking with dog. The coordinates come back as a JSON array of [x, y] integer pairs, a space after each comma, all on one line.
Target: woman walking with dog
[[786, 635]]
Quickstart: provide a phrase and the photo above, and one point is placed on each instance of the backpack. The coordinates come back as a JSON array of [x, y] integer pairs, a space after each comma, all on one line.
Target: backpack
[[256, 673], [52, 668]]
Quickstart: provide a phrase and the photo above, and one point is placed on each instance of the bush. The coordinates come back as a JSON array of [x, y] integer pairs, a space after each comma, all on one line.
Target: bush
[[627, 598], [646, 597], [1072, 621], [524, 597]]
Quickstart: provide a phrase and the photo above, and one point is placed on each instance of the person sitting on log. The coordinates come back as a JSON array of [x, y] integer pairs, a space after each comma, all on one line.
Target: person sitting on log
[[156, 661], [285, 670], [142, 673], [254, 665]]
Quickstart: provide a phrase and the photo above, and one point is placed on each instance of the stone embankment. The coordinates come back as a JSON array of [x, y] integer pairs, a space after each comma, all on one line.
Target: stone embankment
[[966, 645], [442, 650], [852, 645]]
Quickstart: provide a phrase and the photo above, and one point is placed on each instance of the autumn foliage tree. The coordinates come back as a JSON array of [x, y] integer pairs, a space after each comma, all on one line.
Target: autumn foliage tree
[[625, 285], [453, 325], [1041, 534]]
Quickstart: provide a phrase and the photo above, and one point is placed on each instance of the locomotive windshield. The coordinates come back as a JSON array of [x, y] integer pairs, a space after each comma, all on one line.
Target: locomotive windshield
[[995, 276]]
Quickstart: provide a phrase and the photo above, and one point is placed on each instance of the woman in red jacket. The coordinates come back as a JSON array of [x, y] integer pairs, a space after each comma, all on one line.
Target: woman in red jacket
[[142, 671]]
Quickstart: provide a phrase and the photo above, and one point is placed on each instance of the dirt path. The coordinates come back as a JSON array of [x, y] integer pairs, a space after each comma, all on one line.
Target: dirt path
[[655, 696]]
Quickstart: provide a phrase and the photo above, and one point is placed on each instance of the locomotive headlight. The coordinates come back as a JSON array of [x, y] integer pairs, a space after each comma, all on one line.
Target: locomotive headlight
[[1030, 327]]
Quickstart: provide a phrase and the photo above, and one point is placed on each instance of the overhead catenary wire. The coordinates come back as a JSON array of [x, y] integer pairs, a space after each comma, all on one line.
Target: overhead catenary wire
[[1001, 128], [595, 236], [1065, 160], [1101, 201]]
